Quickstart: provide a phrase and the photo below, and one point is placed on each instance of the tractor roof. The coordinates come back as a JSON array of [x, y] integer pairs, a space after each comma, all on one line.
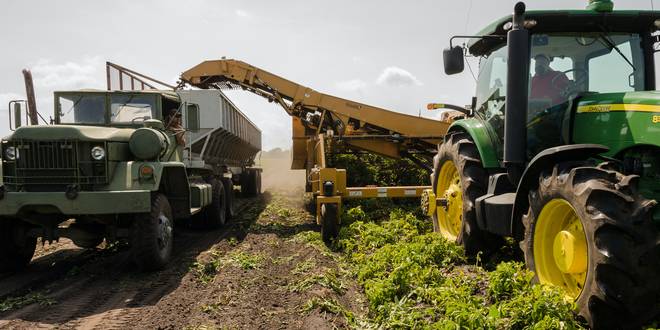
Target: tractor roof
[[570, 21]]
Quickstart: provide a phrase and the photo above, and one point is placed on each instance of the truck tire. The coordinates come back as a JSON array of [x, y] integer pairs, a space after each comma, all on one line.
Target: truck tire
[[152, 237], [590, 232], [229, 198], [215, 214], [16, 248], [251, 183], [459, 177], [329, 222]]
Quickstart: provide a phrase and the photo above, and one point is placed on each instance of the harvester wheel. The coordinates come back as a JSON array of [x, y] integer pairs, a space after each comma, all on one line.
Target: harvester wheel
[[589, 232], [329, 222], [152, 235], [16, 248], [229, 197], [458, 179], [215, 214]]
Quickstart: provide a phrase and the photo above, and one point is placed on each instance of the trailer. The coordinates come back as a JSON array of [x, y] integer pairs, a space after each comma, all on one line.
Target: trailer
[[124, 164]]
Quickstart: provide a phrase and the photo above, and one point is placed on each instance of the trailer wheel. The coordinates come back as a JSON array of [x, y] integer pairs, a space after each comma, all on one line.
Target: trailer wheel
[[329, 222], [229, 198], [16, 248], [590, 232], [215, 214], [152, 235], [460, 179]]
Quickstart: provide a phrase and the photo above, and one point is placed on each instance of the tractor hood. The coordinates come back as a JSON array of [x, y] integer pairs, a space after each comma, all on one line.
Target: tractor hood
[[646, 101], [71, 132]]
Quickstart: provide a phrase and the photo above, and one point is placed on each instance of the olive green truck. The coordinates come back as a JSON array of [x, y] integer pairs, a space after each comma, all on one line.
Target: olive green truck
[[110, 167]]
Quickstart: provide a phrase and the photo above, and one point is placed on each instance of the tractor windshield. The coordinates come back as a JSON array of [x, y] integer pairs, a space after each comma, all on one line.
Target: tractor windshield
[[92, 108], [565, 65]]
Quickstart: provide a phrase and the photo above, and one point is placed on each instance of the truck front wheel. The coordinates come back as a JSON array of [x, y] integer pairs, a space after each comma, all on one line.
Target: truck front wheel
[[152, 235], [590, 233], [16, 247]]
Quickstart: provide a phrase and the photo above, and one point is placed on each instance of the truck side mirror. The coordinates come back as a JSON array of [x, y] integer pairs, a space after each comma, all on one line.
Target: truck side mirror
[[192, 117], [453, 59], [15, 113]]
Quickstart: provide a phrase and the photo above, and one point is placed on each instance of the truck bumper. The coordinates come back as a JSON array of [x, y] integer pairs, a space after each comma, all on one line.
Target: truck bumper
[[90, 202]]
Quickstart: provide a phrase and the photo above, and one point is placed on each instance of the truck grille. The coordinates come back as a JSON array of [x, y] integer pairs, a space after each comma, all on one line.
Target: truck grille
[[52, 165]]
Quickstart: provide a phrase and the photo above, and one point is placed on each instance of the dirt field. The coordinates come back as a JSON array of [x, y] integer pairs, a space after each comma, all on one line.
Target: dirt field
[[265, 270]]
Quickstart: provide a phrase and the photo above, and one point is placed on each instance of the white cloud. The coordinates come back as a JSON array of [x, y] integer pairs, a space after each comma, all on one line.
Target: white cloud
[[242, 13], [351, 85], [68, 75], [397, 77]]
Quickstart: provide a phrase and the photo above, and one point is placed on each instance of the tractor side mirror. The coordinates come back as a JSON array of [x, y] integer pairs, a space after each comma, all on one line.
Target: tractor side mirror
[[16, 113], [192, 117], [453, 60]]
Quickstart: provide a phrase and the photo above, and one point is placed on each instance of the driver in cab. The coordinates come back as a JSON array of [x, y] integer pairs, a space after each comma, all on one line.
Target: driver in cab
[[547, 83]]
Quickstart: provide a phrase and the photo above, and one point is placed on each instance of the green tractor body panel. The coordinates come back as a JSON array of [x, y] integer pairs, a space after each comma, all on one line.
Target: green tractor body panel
[[618, 120], [483, 138], [73, 132]]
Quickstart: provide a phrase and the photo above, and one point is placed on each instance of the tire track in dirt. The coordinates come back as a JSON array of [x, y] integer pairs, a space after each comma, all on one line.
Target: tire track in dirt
[[107, 292]]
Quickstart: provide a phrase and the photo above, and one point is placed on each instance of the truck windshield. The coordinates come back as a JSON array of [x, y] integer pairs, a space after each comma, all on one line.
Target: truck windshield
[[128, 108], [81, 109]]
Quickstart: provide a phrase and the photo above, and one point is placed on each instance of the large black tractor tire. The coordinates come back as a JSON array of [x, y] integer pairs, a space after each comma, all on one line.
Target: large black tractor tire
[[215, 214], [620, 289], [460, 151], [228, 185], [16, 247], [152, 236], [329, 222]]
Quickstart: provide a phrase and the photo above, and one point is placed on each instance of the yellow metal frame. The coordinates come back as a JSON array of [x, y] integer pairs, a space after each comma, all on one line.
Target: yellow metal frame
[[318, 119]]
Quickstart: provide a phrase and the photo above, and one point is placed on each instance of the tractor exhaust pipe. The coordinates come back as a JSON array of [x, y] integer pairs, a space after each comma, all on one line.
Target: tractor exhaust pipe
[[31, 100], [515, 118]]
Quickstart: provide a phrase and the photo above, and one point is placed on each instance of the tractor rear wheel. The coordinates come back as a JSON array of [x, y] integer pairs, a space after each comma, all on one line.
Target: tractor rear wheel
[[16, 247], [589, 232], [459, 179]]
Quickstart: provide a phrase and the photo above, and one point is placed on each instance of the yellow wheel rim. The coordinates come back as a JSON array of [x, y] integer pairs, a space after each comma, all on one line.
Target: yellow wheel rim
[[560, 248], [450, 213]]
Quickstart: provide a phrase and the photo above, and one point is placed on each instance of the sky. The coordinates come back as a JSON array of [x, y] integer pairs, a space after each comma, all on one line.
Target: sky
[[379, 52]]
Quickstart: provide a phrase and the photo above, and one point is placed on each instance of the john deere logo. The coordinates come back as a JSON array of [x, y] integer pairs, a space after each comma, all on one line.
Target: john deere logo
[[595, 108]]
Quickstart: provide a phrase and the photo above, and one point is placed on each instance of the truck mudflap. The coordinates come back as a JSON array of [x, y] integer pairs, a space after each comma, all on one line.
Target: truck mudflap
[[86, 202]]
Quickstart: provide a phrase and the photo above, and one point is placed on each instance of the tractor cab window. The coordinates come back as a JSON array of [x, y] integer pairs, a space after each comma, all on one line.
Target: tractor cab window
[[564, 66], [129, 108], [491, 88], [81, 109]]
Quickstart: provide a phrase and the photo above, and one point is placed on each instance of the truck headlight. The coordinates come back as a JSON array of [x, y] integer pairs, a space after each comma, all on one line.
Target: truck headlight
[[11, 153], [98, 153]]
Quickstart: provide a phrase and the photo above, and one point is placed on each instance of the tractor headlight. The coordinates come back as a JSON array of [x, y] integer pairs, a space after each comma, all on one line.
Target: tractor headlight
[[98, 153], [11, 153]]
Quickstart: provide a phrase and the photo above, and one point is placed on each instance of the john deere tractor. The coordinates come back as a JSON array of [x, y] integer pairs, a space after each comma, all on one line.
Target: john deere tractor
[[560, 150]]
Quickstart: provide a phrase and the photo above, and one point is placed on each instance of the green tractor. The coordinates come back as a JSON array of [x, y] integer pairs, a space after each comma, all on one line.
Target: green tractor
[[560, 151]]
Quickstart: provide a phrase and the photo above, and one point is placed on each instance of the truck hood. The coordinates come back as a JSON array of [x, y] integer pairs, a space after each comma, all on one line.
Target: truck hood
[[71, 132], [638, 100]]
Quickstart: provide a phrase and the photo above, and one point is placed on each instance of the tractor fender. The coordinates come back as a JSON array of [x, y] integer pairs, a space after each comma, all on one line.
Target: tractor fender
[[485, 144], [544, 160]]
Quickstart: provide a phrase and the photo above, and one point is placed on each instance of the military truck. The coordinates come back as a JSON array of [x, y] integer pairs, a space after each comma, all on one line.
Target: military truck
[[110, 166]]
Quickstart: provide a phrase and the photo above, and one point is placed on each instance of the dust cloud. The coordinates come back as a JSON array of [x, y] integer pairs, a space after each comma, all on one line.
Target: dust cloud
[[277, 174]]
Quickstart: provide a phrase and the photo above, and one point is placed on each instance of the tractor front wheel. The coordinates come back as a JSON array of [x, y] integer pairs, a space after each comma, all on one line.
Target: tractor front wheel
[[16, 247], [458, 179], [589, 232]]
